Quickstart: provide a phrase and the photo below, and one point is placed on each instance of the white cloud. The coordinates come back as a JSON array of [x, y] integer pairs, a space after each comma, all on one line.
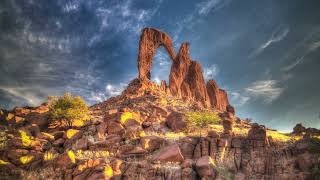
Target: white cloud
[[277, 35], [206, 7], [156, 79], [268, 90], [211, 71], [71, 6], [28, 95], [110, 90], [313, 47], [238, 99], [162, 58], [123, 17]]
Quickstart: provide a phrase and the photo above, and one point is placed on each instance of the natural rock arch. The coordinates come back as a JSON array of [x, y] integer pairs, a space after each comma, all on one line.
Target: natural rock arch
[[186, 77], [150, 40]]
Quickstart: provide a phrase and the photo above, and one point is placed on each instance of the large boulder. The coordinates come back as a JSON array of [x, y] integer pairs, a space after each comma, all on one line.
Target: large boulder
[[205, 167], [170, 153], [176, 122], [257, 132], [151, 143], [299, 129]]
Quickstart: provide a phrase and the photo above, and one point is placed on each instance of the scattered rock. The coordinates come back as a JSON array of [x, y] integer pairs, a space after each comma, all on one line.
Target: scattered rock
[[170, 153], [151, 143], [218, 97], [176, 122], [205, 167], [299, 129]]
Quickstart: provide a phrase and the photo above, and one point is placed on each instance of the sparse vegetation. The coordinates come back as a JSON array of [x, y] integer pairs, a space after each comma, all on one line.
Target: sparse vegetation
[[3, 139], [26, 140], [279, 136], [70, 109], [201, 119]]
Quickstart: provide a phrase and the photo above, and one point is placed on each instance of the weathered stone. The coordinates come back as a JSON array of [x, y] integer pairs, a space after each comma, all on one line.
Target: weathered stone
[[218, 97], [236, 143], [115, 128], [186, 78], [170, 153], [205, 167], [151, 143], [257, 132], [176, 122], [299, 129], [150, 40]]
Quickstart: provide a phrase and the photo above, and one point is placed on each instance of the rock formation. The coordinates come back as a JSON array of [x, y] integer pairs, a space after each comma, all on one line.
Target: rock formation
[[150, 40], [186, 77], [218, 97], [137, 135]]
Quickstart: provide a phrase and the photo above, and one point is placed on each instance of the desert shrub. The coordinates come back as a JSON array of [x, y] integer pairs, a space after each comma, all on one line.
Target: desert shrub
[[3, 139], [69, 108], [201, 119]]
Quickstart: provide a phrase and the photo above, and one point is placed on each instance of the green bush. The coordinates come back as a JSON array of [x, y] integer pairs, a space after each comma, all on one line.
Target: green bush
[[69, 109], [201, 119]]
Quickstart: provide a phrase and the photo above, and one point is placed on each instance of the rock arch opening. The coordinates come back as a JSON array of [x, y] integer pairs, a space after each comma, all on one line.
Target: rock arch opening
[[150, 40], [161, 66]]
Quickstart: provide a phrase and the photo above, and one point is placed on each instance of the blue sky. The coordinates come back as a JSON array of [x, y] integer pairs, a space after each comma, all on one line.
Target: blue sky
[[264, 53]]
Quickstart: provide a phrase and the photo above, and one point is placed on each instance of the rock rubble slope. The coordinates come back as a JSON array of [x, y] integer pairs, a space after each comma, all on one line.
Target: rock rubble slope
[[146, 133]]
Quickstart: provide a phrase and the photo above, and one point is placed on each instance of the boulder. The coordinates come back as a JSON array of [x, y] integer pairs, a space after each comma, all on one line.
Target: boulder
[[170, 153], [299, 129], [41, 120], [115, 128], [257, 132], [205, 167], [151, 143], [137, 151], [176, 122], [227, 125]]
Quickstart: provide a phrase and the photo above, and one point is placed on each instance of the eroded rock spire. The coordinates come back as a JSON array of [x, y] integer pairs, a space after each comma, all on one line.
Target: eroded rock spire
[[150, 40], [186, 77]]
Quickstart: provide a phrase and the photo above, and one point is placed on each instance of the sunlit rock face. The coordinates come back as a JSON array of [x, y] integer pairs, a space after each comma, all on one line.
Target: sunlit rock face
[[218, 97], [186, 77], [150, 40]]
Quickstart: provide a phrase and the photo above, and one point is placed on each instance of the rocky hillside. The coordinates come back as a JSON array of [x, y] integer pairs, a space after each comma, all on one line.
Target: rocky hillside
[[147, 133]]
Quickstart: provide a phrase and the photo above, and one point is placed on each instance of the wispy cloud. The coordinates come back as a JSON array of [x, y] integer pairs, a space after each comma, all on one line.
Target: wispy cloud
[[268, 90], [211, 71], [123, 17], [311, 48], [208, 6], [110, 90], [24, 95], [202, 9], [277, 35], [238, 99]]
